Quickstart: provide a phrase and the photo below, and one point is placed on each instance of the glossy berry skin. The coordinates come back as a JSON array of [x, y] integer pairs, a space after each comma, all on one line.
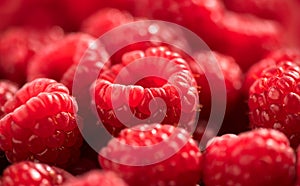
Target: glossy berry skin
[[260, 157], [31, 173], [7, 91], [97, 178], [40, 125], [54, 60], [274, 100], [18, 45], [123, 94], [168, 156]]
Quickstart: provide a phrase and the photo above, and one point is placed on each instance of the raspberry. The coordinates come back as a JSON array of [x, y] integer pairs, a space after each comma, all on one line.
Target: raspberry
[[261, 157], [18, 45], [244, 37], [232, 74], [274, 100], [54, 60], [40, 125], [125, 92], [272, 59], [30, 173], [105, 20], [97, 178], [181, 164], [7, 91]]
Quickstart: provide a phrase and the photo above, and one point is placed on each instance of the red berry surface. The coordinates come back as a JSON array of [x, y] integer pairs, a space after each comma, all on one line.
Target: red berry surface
[[124, 92], [182, 157], [54, 60], [105, 20], [18, 45], [261, 157], [31, 173], [40, 125], [274, 100], [7, 91], [97, 178]]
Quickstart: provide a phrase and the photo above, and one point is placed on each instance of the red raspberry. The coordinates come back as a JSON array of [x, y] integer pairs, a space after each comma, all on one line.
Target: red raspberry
[[274, 100], [272, 59], [261, 157], [97, 178], [7, 91], [54, 60], [204, 66], [244, 37], [40, 125], [30, 173], [176, 157], [105, 20], [126, 90], [18, 45]]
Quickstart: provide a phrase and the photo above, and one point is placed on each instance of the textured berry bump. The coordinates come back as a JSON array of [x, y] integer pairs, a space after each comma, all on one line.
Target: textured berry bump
[[274, 100], [260, 157], [30, 173], [97, 178], [40, 124], [153, 155]]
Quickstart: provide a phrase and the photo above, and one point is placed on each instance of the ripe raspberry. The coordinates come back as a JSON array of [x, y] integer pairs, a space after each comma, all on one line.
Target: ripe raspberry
[[40, 125], [97, 178], [246, 38], [176, 157], [272, 59], [203, 66], [274, 100], [7, 91], [30, 173], [18, 45], [105, 20], [261, 157], [54, 60], [125, 94]]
